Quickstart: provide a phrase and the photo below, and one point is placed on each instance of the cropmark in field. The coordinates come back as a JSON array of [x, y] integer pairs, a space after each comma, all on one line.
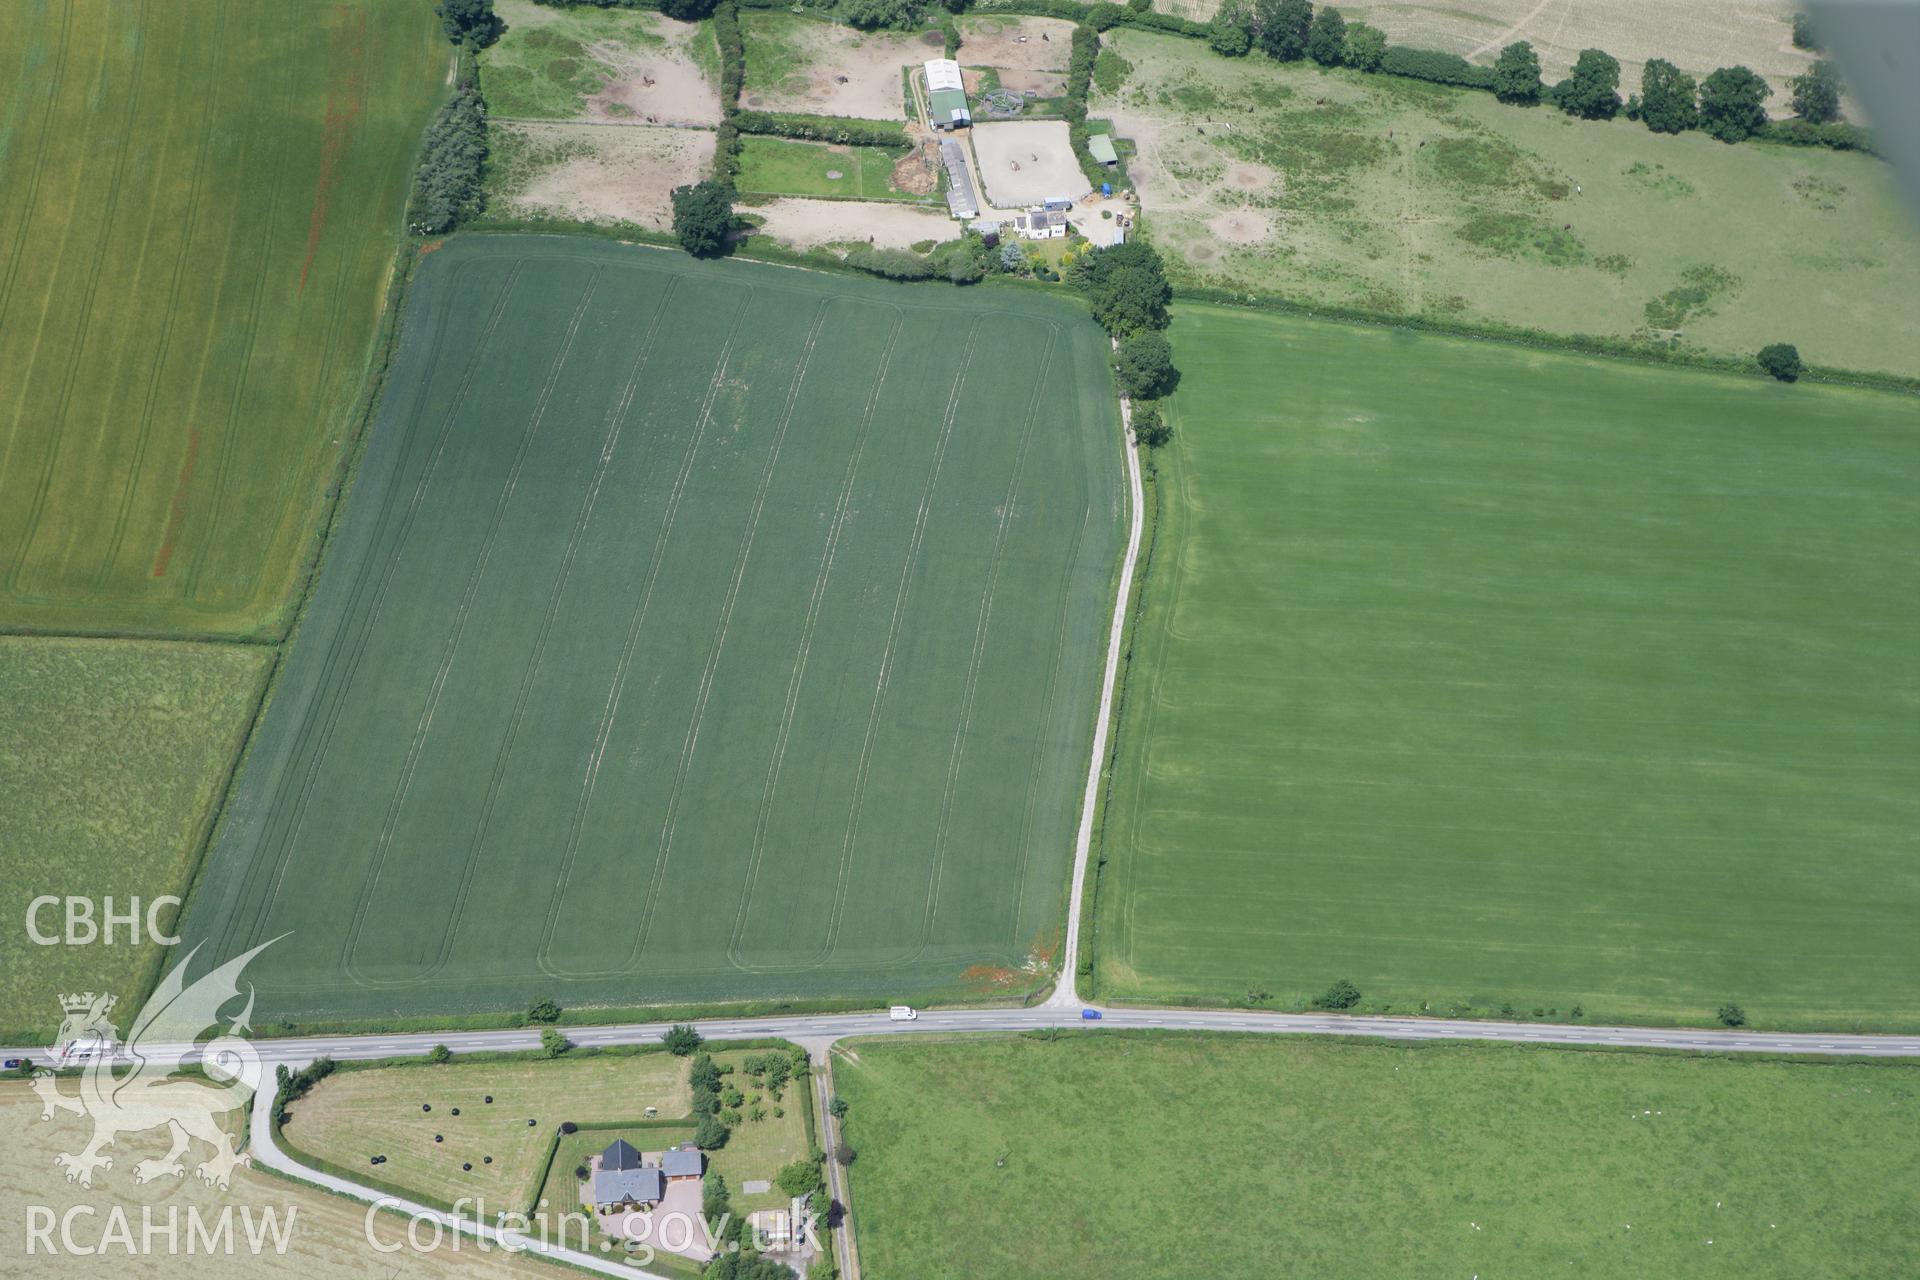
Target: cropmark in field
[[198, 206], [695, 632]]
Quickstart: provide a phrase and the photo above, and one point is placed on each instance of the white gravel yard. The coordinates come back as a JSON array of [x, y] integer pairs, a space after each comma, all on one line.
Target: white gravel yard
[[1025, 162]]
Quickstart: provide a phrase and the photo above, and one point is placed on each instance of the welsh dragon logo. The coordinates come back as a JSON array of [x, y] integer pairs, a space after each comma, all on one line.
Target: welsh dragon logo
[[133, 1087]]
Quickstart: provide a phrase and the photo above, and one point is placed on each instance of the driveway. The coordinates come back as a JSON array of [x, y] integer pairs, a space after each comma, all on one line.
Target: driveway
[[674, 1221]]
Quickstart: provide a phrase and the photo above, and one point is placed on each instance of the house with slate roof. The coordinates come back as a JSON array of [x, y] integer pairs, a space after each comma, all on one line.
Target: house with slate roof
[[621, 1180]]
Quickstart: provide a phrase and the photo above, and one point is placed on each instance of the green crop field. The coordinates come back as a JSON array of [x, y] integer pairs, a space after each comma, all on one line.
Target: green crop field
[[1396, 196], [198, 206], [1480, 675], [694, 631], [783, 167], [112, 756], [1123, 1156]]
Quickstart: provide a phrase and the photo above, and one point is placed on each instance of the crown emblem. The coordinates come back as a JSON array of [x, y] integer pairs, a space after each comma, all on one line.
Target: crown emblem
[[82, 1002]]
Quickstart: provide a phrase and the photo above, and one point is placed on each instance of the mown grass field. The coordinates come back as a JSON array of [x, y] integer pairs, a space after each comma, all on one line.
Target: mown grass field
[[352, 1116], [327, 1240], [1481, 676], [694, 632], [784, 167], [1146, 1156], [198, 207], [1401, 197], [113, 755]]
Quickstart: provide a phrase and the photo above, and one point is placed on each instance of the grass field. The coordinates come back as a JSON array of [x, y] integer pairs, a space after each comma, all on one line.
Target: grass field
[[783, 167], [352, 1116], [1401, 197], [758, 1149], [1698, 37], [694, 632], [556, 63], [1124, 1156], [197, 215], [112, 756], [1479, 675], [326, 1240]]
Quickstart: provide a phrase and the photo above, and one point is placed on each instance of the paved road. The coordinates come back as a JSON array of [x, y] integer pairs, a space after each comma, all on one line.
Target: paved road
[[818, 1031], [828, 1027]]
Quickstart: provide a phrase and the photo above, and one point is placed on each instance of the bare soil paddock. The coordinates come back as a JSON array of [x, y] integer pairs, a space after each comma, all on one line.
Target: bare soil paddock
[[598, 173], [821, 68]]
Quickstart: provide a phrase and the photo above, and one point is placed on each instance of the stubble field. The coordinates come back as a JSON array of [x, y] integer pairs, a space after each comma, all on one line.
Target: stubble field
[[1483, 676], [1400, 197], [694, 632], [198, 207], [326, 1235]]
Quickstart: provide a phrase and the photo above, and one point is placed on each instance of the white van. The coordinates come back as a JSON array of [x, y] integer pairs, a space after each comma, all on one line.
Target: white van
[[902, 1013]]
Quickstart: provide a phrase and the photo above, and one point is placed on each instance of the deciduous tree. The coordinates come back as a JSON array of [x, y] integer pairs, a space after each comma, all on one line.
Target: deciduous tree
[[1516, 74], [1592, 89], [1668, 98], [1282, 26], [1230, 34], [1730, 104], [1816, 95], [703, 218], [1327, 37], [871, 15], [1782, 360], [470, 20], [1144, 365], [1365, 47]]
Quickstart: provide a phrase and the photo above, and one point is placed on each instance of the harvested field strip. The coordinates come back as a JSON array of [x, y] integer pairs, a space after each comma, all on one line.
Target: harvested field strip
[[1490, 678], [327, 1235], [667, 583], [193, 275]]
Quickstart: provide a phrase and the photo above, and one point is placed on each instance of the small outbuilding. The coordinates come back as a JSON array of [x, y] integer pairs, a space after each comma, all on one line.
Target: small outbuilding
[[1100, 147], [682, 1162]]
